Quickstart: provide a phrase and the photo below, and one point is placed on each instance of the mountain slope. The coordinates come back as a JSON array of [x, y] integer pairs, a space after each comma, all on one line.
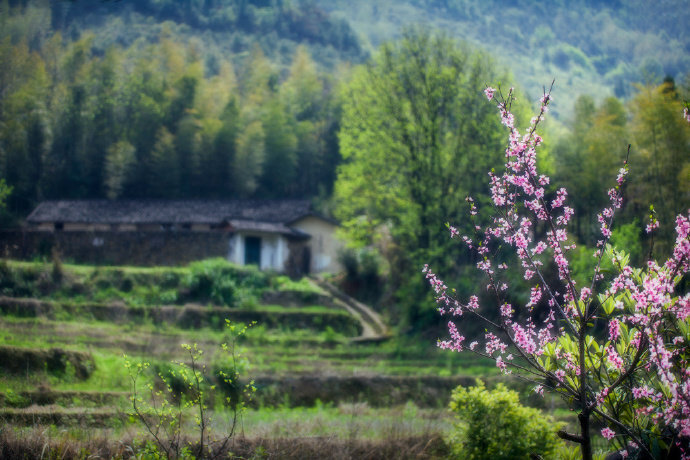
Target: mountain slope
[[589, 46]]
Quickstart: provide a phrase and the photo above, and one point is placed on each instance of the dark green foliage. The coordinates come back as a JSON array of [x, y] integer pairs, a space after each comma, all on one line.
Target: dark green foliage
[[59, 362], [364, 277], [588, 159], [301, 21], [211, 281], [493, 424]]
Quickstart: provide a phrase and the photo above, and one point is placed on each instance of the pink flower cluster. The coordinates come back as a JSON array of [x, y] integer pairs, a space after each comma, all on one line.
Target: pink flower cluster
[[608, 433], [643, 312]]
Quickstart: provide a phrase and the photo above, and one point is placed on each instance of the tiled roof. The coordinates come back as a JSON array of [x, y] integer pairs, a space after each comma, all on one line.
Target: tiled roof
[[266, 227], [170, 211]]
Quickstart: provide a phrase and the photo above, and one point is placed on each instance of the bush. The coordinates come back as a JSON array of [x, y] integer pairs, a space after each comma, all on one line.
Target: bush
[[223, 283], [493, 424]]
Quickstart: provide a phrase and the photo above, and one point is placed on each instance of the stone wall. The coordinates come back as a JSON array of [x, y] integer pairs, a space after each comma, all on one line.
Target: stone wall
[[115, 248]]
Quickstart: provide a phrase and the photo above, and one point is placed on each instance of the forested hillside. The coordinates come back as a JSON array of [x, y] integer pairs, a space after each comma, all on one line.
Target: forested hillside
[[123, 105], [590, 47], [220, 98], [227, 28]]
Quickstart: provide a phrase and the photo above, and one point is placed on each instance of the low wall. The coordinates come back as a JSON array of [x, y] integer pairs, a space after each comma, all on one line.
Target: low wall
[[115, 248]]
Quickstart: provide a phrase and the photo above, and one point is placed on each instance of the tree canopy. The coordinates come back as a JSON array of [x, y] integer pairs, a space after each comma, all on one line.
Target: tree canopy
[[417, 137]]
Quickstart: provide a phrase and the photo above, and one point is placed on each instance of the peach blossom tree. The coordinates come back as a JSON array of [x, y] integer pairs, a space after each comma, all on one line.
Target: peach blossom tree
[[616, 348]]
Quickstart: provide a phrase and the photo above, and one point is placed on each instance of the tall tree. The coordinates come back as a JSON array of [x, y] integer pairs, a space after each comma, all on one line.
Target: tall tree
[[589, 157], [280, 156], [118, 165], [417, 137], [310, 103], [662, 143], [164, 168]]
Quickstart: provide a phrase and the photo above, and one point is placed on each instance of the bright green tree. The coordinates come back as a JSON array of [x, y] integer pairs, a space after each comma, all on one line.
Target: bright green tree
[[417, 137]]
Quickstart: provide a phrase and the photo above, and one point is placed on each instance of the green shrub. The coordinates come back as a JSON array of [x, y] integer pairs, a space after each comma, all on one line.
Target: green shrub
[[13, 399], [493, 424], [218, 281]]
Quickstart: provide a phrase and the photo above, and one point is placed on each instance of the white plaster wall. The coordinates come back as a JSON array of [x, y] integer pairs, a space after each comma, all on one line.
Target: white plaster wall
[[269, 253], [236, 249], [274, 251]]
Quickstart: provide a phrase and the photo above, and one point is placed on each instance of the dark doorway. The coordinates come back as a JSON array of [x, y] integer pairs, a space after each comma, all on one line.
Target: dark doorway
[[306, 260], [252, 251]]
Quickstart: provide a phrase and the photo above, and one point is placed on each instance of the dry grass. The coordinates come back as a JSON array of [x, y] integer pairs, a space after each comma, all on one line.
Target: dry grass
[[44, 443], [332, 448]]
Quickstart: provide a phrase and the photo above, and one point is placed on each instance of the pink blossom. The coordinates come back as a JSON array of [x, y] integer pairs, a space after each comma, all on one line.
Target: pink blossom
[[473, 304], [456, 343], [560, 198], [614, 358], [494, 344], [534, 298], [614, 330], [502, 365], [653, 225], [641, 392], [489, 91], [585, 294], [621, 176], [608, 433]]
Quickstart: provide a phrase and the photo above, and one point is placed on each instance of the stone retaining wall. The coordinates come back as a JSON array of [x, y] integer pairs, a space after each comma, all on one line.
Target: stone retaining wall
[[115, 248]]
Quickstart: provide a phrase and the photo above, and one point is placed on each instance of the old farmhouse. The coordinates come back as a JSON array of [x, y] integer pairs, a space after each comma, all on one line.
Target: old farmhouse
[[282, 235]]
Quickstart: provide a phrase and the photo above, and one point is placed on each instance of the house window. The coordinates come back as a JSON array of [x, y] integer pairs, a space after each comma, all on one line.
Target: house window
[[252, 250], [59, 226]]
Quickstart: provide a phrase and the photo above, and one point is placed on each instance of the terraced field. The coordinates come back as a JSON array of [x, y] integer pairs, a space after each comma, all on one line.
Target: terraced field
[[324, 368]]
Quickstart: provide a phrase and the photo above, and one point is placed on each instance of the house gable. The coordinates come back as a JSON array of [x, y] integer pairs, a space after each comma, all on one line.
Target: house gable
[[323, 244]]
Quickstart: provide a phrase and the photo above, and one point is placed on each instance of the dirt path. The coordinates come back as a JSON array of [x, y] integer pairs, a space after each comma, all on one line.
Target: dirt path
[[373, 327]]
